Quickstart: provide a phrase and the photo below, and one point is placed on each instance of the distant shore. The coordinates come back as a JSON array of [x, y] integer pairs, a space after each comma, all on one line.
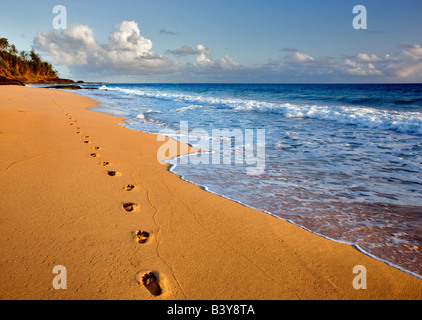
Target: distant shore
[[80, 191]]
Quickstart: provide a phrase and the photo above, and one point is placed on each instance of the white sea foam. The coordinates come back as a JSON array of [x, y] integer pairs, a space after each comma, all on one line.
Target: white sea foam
[[362, 116], [191, 107]]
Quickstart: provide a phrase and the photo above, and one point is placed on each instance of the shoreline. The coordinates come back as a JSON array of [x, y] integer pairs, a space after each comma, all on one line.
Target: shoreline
[[414, 274], [173, 169], [202, 246]]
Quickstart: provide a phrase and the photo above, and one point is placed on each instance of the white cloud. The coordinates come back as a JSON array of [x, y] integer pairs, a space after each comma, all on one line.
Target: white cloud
[[204, 60], [408, 64], [70, 48], [354, 67], [368, 58], [413, 52], [298, 57], [127, 51]]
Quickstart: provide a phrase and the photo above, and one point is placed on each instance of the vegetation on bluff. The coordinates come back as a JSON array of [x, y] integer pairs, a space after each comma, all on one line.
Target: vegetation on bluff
[[24, 66]]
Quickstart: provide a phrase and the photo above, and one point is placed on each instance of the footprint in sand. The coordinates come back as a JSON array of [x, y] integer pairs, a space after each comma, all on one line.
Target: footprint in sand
[[150, 281], [86, 137], [142, 236], [94, 155], [86, 141], [96, 148], [105, 163], [114, 173], [130, 207], [129, 187]]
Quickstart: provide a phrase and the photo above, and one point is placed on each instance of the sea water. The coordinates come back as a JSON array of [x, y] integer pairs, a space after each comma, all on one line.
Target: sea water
[[343, 161]]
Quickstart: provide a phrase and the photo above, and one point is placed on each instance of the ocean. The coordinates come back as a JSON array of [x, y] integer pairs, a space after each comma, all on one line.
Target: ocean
[[342, 161]]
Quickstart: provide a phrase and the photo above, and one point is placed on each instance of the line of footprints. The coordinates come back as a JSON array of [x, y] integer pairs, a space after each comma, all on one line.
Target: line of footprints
[[148, 280]]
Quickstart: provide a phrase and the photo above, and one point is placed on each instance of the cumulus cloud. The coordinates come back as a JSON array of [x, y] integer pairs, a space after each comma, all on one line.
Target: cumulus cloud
[[414, 52], [408, 64], [302, 64], [298, 57], [71, 47], [204, 60], [368, 58], [403, 66], [127, 51], [353, 67]]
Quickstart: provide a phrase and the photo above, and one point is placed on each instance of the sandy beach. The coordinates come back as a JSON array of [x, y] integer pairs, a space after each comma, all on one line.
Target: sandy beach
[[81, 191]]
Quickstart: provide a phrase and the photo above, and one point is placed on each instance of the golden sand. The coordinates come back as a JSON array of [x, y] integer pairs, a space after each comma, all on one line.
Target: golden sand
[[80, 191]]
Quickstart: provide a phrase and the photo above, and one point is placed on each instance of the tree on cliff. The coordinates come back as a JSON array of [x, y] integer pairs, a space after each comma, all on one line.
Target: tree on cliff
[[22, 65]]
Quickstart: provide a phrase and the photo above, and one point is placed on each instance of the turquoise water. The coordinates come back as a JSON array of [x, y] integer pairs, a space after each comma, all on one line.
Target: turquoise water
[[343, 161]]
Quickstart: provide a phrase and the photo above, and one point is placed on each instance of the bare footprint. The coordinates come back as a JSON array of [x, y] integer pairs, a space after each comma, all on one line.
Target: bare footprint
[[129, 187], [114, 173], [130, 207], [142, 236], [150, 281]]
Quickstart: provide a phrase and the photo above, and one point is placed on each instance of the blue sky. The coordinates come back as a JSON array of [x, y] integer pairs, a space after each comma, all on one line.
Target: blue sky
[[222, 41]]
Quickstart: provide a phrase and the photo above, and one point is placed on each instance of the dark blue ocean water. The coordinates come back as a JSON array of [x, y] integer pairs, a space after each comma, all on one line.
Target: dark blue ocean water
[[344, 161]]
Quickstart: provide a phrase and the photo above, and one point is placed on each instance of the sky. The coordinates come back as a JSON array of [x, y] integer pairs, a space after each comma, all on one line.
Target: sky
[[271, 41]]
